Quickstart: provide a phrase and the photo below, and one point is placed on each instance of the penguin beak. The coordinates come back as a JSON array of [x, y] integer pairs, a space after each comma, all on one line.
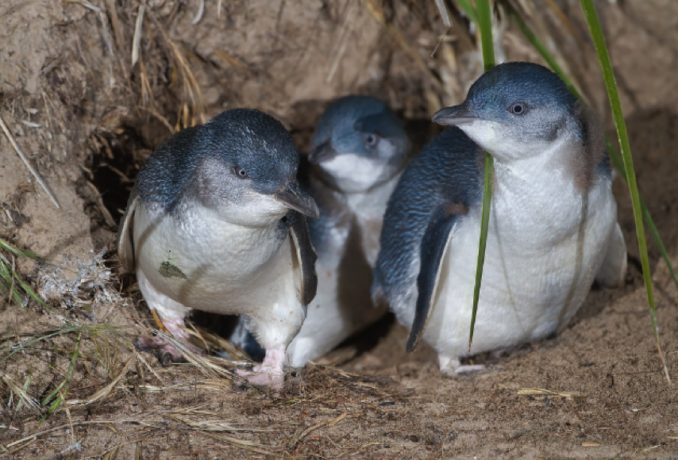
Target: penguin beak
[[454, 116], [294, 198], [322, 152]]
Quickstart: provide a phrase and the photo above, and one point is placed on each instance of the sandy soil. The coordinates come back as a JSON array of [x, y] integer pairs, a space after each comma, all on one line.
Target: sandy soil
[[88, 118]]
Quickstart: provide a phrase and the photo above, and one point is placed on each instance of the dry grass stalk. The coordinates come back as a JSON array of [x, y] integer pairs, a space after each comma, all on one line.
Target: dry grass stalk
[[105, 391], [543, 392], [162, 119], [343, 40], [24, 397], [23, 442], [146, 90], [213, 425], [148, 366], [208, 365], [115, 23], [298, 437], [23, 157], [216, 342], [378, 14], [199, 13], [70, 419], [100, 204], [191, 85], [136, 40], [230, 59], [246, 445], [218, 385]]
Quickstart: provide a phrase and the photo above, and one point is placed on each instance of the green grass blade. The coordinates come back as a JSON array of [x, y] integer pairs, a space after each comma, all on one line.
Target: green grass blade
[[485, 26], [611, 150], [67, 378], [468, 9], [618, 115], [7, 284], [10, 280], [484, 226], [18, 252], [27, 289]]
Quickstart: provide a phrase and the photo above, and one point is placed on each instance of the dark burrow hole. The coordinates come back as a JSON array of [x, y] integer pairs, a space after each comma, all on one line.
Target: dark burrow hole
[[114, 167]]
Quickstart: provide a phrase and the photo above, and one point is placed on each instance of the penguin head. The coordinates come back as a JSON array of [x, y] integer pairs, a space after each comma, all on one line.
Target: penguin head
[[515, 110], [359, 142], [247, 169]]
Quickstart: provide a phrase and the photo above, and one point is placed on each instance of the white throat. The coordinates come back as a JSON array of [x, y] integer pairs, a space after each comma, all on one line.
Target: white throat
[[497, 139], [354, 173]]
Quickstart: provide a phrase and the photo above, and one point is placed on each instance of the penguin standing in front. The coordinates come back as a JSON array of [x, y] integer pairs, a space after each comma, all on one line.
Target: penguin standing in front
[[357, 154], [216, 223], [553, 222]]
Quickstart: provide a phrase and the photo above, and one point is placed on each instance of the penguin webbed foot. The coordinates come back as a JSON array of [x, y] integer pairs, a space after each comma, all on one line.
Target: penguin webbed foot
[[166, 352], [452, 367], [161, 348], [270, 372]]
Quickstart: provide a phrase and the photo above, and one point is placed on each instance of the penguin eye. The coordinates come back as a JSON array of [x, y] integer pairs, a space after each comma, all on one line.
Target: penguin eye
[[239, 172], [371, 140], [519, 108]]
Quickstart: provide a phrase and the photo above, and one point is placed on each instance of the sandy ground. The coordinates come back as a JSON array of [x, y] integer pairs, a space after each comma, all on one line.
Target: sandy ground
[[88, 118]]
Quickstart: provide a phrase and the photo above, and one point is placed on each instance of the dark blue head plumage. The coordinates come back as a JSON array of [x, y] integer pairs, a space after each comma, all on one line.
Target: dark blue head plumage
[[514, 110], [236, 151], [358, 143], [493, 94], [356, 125]]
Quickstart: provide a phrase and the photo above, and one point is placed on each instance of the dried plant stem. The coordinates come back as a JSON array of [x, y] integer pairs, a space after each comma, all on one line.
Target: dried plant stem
[[33, 171]]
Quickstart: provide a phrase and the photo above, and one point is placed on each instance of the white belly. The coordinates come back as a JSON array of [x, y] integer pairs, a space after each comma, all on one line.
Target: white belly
[[205, 263], [543, 253], [343, 304], [341, 308]]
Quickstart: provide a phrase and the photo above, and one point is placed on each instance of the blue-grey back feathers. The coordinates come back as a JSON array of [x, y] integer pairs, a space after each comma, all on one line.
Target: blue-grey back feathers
[[448, 170]]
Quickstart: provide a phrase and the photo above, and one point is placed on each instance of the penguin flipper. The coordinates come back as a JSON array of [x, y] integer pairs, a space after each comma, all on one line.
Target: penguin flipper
[[613, 270], [306, 256], [433, 245], [125, 240]]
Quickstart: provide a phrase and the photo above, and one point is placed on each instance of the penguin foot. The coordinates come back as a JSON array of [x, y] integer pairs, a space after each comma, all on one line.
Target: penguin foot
[[270, 372], [453, 367], [468, 368], [165, 351], [266, 378]]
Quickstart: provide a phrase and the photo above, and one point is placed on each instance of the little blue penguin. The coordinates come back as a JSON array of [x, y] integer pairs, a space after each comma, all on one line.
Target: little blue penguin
[[553, 221], [357, 154], [216, 223]]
